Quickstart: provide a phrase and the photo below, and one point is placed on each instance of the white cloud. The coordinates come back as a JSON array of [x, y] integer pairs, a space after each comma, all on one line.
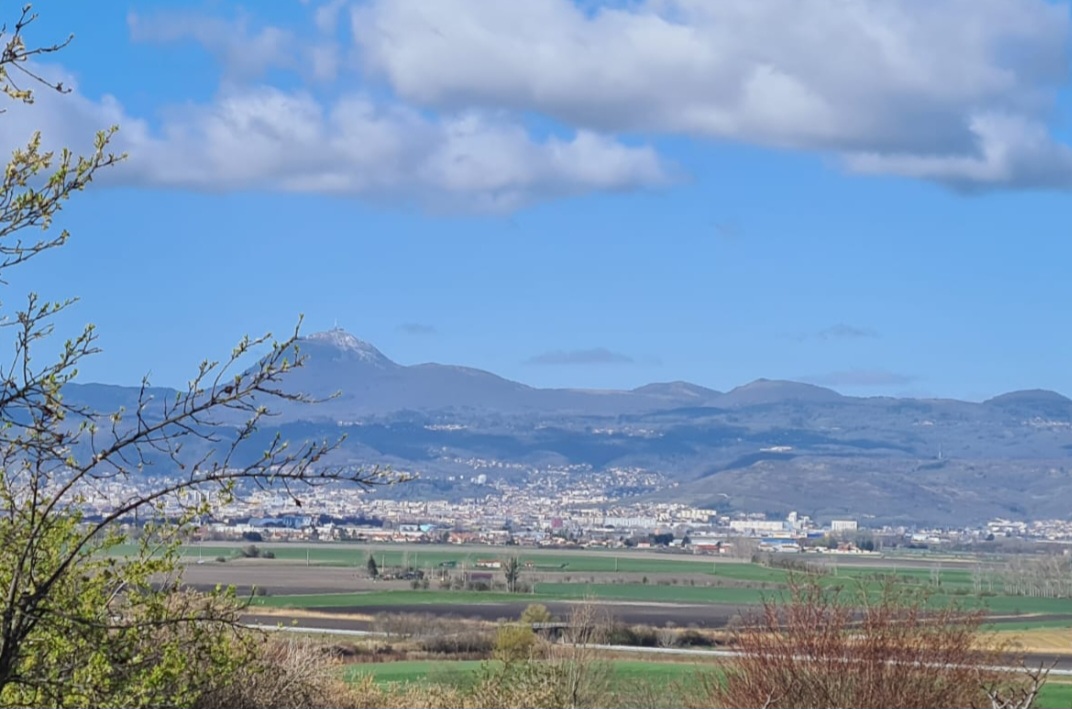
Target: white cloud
[[326, 16], [956, 91], [244, 53], [952, 90], [263, 138], [324, 61], [1009, 150]]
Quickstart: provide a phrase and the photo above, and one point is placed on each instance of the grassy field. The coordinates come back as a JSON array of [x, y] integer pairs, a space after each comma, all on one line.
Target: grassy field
[[572, 562], [460, 672], [668, 677], [453, 672], [564, 575], [338, 554], [653, 593], [1055, 695]]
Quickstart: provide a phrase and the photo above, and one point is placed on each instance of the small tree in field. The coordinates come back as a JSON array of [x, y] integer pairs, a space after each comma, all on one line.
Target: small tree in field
[[80, 625], [512, 571], [373, 567], [825, 646]]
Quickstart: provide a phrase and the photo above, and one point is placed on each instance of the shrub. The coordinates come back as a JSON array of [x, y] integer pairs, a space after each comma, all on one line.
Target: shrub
[[633, 636], [285, 673], [832, 648], [514, 643], [535, 613], [694, 638], [465, 643]]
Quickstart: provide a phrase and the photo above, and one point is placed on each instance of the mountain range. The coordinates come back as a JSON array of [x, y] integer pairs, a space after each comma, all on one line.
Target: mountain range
[[767, 446]]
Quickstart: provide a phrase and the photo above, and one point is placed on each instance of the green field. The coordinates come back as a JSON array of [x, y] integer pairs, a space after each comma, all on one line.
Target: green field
[[563, 562], [660, 675], [654, 593], [341, 554], [1000, 605], [453, 672], [460, 672], [1055, 695], [561, 575]]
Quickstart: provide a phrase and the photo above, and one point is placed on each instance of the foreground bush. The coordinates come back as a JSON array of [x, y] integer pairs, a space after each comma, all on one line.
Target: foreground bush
[[84, 622], [829, 647], [823, 646], [283, 673], [530, 673]]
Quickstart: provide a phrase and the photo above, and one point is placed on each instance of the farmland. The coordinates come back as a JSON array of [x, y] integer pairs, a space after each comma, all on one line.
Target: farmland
[[635, 586], [329, 587], [669, 679]]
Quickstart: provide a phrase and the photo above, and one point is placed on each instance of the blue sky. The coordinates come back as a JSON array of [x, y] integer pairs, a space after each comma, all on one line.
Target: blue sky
[[862, 195]]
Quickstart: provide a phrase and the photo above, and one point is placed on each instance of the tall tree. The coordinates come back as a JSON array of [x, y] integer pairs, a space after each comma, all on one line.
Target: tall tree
[[512, 571], [80, 624]]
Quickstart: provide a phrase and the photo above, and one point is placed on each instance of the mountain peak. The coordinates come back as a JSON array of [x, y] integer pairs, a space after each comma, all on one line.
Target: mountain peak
[[1044, 396], [348, 346], [769, 391], [677, 389]]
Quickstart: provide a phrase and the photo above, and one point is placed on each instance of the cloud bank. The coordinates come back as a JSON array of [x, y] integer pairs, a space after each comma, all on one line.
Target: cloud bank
[[429, 102], [957, 91]]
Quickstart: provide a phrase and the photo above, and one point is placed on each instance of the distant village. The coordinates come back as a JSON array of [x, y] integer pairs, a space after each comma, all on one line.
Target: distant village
[[572, 508], [662, 527]]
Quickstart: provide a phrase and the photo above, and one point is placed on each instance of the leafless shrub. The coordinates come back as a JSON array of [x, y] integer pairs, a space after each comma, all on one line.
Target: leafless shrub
[[287, 673], [667, 637], [828, 647], [466, 642]]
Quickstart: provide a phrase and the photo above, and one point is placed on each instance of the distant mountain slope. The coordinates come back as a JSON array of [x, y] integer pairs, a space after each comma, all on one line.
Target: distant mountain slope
[[370, 383], [767, 391], [767, 446], [1033, 402], [679, 392]]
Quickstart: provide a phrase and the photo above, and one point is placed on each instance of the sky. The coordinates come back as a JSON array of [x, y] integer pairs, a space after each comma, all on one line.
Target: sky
[[870, 195]]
